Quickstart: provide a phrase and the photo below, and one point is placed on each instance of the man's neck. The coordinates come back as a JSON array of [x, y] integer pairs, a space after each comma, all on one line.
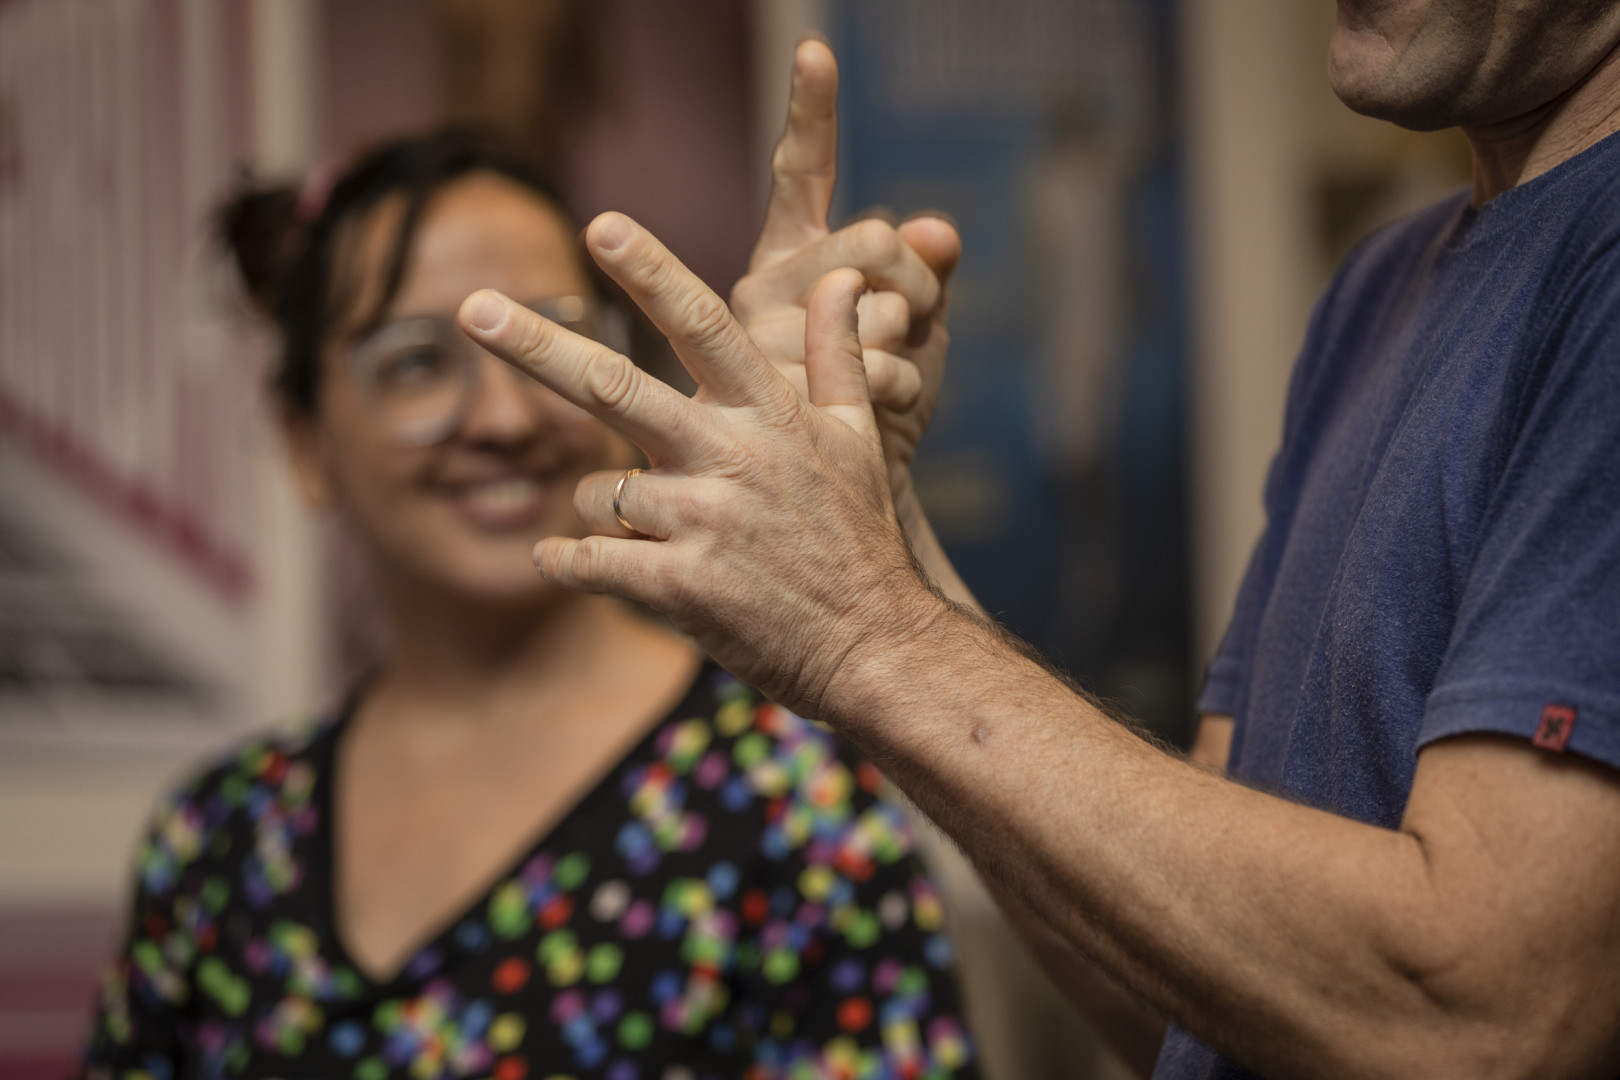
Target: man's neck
[[1516, 151]]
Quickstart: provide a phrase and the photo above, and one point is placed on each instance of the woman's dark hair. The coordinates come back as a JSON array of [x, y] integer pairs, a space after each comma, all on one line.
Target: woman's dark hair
[[289, 264]]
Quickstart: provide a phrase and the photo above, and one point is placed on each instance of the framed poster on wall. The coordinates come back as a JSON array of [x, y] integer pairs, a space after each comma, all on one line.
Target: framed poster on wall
[[1054, 471]]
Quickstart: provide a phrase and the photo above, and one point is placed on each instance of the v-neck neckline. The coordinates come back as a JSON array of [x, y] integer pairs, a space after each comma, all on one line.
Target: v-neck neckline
[[440, 933]]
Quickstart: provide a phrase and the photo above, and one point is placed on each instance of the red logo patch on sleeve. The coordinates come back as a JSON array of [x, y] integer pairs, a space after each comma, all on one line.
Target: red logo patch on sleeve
[[1557, 721]]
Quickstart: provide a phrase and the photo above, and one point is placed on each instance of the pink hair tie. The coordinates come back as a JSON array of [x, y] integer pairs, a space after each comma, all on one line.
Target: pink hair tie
[[316, 191]]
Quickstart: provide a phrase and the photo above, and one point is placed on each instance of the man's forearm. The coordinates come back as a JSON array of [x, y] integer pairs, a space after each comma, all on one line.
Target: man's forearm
[[1119, 1019], [1285, 936], [1131, 1030]]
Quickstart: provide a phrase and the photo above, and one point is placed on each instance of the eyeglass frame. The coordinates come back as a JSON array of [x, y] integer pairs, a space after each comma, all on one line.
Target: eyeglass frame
[[364, 356]]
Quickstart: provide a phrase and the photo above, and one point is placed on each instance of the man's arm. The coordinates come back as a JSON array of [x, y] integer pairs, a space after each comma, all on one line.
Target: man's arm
[[1477, 940], [902, 314], [1125, 1024], [1119, 1019]]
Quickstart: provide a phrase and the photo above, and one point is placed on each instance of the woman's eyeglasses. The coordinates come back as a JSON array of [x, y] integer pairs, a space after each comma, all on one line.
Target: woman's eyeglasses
[[419, 375]]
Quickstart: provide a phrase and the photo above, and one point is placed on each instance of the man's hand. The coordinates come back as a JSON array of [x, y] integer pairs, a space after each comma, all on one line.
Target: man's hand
[[902, 316], [773, 536]]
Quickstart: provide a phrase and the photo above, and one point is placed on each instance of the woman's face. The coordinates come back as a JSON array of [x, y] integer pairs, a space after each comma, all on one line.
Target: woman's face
[[461, 514]]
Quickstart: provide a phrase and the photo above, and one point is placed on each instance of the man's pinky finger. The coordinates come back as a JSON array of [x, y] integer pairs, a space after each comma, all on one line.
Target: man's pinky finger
[[634, 569]]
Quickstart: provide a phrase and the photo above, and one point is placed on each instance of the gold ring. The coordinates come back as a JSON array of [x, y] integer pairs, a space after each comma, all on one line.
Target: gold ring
[[618, 491]]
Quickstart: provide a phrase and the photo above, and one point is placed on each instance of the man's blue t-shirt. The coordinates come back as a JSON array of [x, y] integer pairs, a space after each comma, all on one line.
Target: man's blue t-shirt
[[1442, 550]]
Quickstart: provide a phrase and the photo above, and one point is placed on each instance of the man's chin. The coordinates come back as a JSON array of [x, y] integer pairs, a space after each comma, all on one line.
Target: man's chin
[[1371, 87]]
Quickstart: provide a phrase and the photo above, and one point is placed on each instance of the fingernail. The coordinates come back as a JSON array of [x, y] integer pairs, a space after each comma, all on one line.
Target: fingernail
[[612, 230], [485, 312]]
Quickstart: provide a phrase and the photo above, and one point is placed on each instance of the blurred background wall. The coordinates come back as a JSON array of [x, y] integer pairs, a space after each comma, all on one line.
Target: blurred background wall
[[1152, 194]]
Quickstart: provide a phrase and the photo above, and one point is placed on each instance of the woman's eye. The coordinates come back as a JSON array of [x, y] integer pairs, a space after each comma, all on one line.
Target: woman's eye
[[413, 369]]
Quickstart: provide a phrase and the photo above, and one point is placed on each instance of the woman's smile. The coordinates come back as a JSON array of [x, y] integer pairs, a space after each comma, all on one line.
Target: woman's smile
[[504, 502]]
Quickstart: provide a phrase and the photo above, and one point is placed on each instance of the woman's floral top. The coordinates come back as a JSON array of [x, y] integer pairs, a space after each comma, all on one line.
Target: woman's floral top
[[732, 900]]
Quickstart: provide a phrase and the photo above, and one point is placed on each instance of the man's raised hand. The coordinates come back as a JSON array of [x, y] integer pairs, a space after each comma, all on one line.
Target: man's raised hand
[[901, 324], [764, 526]]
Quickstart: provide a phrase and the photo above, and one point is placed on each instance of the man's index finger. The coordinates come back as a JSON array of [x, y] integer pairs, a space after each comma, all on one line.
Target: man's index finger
[[804, 167]]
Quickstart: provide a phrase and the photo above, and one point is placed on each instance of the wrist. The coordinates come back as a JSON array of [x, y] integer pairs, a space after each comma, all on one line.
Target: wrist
[[893, 661]]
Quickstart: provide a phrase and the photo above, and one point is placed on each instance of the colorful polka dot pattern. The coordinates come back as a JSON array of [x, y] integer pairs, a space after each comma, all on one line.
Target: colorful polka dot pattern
[[734, 900]]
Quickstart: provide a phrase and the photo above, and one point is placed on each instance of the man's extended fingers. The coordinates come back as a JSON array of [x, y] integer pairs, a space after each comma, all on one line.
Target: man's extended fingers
[[804, 167], [657, 418], [708, 340], [833, 367]]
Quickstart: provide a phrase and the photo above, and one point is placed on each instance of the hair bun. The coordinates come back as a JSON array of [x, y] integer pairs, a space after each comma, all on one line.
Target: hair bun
[[258, 225]]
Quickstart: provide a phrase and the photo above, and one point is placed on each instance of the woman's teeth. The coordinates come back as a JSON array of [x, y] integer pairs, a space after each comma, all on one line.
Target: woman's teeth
[[503, 496]]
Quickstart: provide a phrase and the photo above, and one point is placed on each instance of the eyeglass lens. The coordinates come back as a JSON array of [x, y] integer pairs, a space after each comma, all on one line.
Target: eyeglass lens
[[419, 374]]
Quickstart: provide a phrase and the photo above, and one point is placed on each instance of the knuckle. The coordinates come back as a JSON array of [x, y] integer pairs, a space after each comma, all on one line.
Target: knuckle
[[588, 560], [928, 299], [730, 461], [612, 383], [699, 505], [532, 337], [885, 318], [666, 578], [780, 412], [657, 274], [792, 158], [877, 240], [707, 320], [892, 308]]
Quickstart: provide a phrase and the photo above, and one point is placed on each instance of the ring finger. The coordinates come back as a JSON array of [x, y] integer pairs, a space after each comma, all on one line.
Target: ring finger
[[644, 498]]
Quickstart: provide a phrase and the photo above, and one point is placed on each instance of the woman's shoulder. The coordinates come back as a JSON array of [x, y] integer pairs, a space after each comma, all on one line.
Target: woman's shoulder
[[262, 778], [281, 760]]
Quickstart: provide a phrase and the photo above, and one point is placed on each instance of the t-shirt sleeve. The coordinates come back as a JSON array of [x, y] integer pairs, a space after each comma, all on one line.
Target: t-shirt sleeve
[[850, 967], [1535, 648], [145, 989]]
